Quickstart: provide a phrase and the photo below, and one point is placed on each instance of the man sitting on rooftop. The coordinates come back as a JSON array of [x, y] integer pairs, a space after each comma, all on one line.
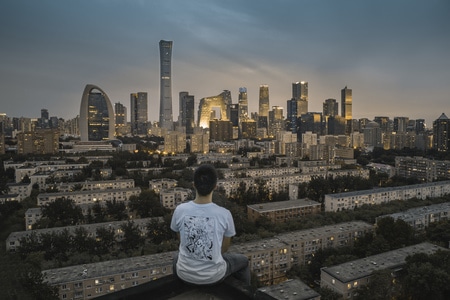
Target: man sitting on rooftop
[[205, 230]]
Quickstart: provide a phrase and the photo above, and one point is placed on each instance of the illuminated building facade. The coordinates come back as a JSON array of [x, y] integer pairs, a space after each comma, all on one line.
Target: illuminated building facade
[[165, 103], [207, 105], [96, 115], [139, 113]]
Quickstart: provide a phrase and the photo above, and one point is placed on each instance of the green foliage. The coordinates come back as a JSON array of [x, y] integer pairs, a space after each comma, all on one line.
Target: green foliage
[[60, 213], [427, 276], [381, 286], [132, 236], [147, 204]]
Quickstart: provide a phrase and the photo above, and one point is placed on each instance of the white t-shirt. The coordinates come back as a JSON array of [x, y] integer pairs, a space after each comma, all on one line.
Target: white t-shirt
[[202, 228]]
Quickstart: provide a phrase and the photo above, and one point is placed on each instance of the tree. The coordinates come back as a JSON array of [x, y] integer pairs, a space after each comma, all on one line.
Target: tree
[[147, 204], [132, 236], [381, 286], [159, 230], [33, 282], [105, 240], [116, 210], [62, 212], [427, 276]]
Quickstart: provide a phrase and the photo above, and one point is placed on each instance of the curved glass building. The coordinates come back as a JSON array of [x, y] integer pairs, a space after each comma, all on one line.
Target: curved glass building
[[96, 115]]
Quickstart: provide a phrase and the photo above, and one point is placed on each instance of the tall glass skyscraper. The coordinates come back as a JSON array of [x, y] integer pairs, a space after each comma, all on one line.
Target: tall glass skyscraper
[[243, 104], [263, 100], [96, 115], [139, 113], [187, 110], [300, 94], [165, 103], [346, 108]]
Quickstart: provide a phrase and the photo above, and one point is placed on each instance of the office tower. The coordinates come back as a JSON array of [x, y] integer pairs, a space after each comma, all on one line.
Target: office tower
[[385, 124], [346, 108], [373, 135], [243, 104], [207, 104], [220, 130], [165, 103], [120, 118], [175, 142], [44, 119], [139, 113], [346, 103], [400, 124], [330, 108], [263, 114], [263, 100], [291, 119], [420, 126], [233, 112], [186, 117], [39, 141], [300, 94], [248, 129], [312, 121], [335, 125], [96, 115], [441, 133], [276, 120]]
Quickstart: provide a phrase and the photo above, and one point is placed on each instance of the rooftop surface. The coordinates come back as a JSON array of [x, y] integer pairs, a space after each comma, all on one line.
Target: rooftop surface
[[364, 267], [281, 205]]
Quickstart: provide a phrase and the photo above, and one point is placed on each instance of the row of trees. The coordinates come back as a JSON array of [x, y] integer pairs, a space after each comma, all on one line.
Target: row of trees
[[63, 247]]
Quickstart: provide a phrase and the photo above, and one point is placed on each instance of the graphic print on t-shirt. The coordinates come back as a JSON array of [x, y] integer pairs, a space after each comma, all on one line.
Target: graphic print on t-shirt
[[199, 236]]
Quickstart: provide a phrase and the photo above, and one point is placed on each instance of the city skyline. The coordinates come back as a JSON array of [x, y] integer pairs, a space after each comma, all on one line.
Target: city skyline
[[392, 55]]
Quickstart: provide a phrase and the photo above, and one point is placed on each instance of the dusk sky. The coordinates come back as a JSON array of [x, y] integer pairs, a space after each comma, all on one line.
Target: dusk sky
[[394, 55]]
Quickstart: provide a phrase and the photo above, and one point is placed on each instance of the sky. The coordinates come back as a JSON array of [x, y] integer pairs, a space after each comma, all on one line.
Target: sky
[[393, 54]]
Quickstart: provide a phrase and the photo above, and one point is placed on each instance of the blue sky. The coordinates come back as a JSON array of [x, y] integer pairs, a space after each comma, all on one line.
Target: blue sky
[[393, 54]]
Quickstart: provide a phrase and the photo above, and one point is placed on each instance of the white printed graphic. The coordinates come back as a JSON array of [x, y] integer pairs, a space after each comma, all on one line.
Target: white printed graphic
[[199, 236]]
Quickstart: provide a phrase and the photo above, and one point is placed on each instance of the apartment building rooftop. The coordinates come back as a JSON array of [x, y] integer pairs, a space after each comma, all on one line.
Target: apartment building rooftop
[[321, 231], [279, 205], [364, 267], [107, 268], [388, 189], [290, 290], [414, 213]]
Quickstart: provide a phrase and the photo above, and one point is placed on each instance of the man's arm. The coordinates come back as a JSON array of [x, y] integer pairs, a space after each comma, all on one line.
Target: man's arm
[[226, 242]]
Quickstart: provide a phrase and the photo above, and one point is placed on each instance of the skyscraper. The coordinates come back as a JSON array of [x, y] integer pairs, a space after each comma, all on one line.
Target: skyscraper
[[263, 115], [291, 119], [139, 113], [165, 103], [96, 115], [263, 100], [186, 117], [243, 104], [300, 94], [330, 108], [346, 108], [120, 113], [441, 133], [208, 103]]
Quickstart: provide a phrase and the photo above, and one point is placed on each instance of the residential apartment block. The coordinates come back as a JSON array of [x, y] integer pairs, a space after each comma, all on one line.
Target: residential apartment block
[[346, 277], [13, 240], [170, 198], [93, 196], [280, 183], [88, 281], [350, 200], [269, 259], [283, 211], [420, 217], [422, 168]]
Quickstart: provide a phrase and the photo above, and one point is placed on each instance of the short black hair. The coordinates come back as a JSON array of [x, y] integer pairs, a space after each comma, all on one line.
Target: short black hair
[[205, 179]]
